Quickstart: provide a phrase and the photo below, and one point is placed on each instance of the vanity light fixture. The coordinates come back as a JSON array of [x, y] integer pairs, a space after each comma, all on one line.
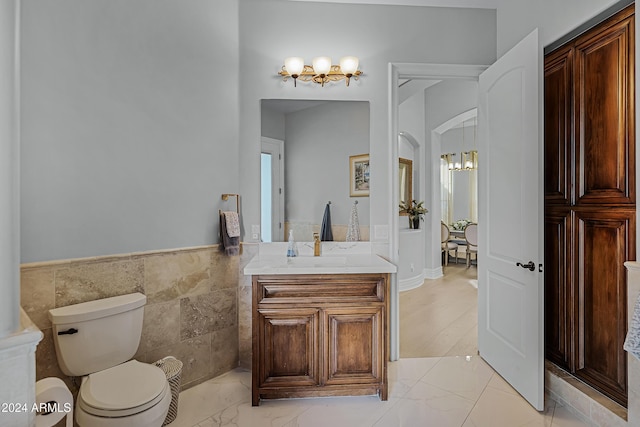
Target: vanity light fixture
[[321, 71]]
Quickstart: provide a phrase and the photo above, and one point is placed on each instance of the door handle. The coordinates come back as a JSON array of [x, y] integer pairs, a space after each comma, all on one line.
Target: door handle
[[529, 266]]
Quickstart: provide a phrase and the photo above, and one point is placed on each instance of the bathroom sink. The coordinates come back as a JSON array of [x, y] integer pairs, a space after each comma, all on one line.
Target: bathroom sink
[[316, 261]]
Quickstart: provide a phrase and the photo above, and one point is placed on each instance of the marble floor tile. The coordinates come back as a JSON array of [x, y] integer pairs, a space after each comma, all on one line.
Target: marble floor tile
[[424, 404], [438, 392], [500, 408], [466, 376], [403, 376]]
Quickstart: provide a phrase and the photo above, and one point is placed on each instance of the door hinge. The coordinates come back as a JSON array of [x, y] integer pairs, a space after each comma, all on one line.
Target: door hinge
[[279, 190]]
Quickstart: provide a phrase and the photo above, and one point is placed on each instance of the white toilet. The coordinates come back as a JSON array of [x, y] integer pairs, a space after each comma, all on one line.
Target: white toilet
[[95, 340]]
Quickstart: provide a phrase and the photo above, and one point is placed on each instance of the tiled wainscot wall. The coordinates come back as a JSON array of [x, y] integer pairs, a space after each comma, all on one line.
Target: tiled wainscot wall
[[192, 304]]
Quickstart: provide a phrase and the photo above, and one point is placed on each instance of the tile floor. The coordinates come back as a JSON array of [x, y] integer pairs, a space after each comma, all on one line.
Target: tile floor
[[424, 389], [438, 391], [440, 318]]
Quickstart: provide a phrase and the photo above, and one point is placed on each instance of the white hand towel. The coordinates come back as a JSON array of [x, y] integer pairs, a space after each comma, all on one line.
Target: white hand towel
[[632, 342]]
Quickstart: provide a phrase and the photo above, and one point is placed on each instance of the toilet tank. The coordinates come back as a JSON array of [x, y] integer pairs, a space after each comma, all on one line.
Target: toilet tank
[[96, 335]]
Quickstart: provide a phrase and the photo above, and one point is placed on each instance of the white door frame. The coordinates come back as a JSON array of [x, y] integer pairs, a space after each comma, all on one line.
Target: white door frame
[[425, 72], [275, 146]]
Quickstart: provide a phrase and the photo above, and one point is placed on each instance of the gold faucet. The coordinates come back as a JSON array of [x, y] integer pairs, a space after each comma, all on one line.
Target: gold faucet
[[316, 244]]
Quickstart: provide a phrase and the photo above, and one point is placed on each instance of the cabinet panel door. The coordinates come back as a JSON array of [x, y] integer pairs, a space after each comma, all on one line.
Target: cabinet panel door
[[605, 240], [557, 282], [355, 345], [289, 343], [605, 115], [558, 81]]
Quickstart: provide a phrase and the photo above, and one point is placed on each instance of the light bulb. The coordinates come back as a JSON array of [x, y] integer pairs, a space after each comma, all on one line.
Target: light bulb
[[322, 65], [294, 65], [349, 65]]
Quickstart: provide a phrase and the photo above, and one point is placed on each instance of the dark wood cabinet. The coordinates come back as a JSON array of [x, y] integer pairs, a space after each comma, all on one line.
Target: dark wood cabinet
[[319, 335], [604, 114], [590, 202], [604, 240], [558, 290]]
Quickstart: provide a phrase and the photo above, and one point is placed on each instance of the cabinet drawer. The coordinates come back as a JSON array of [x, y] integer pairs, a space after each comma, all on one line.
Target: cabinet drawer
[[317, 289]]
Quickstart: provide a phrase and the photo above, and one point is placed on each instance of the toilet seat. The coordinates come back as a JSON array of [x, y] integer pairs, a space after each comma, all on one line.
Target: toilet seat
[[123, 390]]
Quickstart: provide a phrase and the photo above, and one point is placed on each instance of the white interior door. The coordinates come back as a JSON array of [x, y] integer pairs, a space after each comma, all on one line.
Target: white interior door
[[510, 296], [272, 191]]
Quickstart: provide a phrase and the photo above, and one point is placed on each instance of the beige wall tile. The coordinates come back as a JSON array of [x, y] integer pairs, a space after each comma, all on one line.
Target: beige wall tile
[[206, 313], [88, 281], [174, 275], [195, 355], [224, 270], [161, 325], [37, 294], [191, 311], [244, 326], [224, 351]]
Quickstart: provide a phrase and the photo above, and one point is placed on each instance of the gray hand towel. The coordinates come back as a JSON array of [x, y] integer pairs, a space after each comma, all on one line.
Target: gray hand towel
[[326, 234], [230, 245]]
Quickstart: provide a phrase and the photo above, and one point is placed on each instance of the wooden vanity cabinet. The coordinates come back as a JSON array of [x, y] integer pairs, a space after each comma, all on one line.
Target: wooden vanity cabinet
[[319, 335]]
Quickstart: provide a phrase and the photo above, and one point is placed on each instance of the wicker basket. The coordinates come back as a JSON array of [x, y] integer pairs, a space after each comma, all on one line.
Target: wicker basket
[[172, 368]]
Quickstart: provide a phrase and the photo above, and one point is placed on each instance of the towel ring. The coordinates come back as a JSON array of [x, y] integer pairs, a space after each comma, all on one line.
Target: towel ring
[[225, 197]]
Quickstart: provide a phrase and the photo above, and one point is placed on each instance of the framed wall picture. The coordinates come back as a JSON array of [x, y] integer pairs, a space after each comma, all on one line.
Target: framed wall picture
[[359, 175], [405, 178]]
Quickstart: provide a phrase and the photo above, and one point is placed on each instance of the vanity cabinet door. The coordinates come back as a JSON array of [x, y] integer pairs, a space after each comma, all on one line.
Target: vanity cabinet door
[[355, 346], [319, 335], [288, 339]]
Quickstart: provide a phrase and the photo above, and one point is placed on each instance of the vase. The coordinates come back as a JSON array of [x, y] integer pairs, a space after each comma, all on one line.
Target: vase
[[416, 222]]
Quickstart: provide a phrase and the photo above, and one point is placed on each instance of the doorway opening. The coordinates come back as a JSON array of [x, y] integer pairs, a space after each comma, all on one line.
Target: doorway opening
[[271, 190], [409, 323]]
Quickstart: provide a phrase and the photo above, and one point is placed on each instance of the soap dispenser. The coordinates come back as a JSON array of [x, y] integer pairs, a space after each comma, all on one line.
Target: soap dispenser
[[292, 249]]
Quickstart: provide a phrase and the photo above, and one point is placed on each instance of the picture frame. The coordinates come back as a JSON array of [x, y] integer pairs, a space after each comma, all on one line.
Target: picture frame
[[405, 179], [359, 175]]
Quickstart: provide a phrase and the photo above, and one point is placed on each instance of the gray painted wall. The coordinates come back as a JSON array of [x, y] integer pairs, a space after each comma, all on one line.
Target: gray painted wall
[[318, 143], [554, 19], [131, 118], [272, 124], [130, 124], [9, 172], [377, 35]]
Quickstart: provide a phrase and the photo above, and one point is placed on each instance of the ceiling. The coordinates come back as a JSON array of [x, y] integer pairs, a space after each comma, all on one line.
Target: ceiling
[[477, 4]]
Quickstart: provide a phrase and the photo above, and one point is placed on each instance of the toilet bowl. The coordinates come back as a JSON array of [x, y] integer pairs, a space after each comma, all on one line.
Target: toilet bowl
[[131, 394], [96, 341]]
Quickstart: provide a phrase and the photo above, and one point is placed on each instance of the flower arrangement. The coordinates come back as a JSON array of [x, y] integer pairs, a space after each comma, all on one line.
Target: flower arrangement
[[460, 224], [415, 210]]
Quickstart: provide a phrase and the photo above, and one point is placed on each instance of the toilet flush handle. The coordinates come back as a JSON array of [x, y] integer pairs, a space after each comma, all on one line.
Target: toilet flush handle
[[70, 331]]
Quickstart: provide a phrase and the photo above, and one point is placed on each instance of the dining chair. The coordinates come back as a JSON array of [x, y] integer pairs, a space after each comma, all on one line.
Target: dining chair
[[447, 246], [471, 236]]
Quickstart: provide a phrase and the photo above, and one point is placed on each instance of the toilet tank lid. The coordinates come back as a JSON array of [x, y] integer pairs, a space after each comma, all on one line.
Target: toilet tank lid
[[96, 309]]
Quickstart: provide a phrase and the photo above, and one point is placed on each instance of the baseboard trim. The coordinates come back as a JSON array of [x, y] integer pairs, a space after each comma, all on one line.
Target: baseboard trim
[[433, 273], [411, 283]]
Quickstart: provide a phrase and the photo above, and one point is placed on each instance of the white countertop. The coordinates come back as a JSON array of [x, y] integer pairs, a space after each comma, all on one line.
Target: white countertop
[[328, 264]]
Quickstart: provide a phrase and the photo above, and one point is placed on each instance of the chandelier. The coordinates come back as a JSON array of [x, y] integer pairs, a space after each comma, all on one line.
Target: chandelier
[[321, 71], [468, 159]]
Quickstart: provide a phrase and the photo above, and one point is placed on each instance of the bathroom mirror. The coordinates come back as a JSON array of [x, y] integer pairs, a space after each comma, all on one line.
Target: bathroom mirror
[[316, 139], [405, 179]]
